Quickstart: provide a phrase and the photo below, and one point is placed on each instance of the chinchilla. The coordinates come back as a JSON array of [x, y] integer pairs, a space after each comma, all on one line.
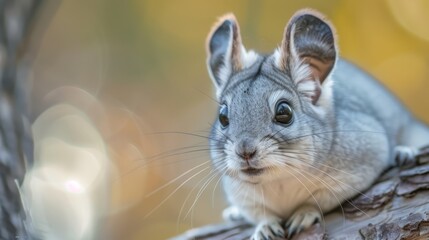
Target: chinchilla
[[301, 130]]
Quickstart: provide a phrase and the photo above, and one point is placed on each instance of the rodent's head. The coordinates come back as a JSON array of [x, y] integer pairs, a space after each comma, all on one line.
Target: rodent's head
[[270, 106]]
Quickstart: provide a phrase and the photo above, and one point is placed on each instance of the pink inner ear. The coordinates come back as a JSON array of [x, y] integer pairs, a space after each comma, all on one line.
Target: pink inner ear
[[236, 48], [319, 68], [317, 92], [319, 72]]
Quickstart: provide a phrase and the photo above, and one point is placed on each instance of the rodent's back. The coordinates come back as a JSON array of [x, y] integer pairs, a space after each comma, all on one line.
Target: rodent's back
[[356, 92]]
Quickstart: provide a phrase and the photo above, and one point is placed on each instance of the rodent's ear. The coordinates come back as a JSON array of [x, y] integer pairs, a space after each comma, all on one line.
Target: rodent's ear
[[226, 53], [308, 51]]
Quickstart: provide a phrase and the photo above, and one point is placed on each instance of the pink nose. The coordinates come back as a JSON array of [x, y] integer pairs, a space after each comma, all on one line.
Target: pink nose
[[246, 155], [246, 149]]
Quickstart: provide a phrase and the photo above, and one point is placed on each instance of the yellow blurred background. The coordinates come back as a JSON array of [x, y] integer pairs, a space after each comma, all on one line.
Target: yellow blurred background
[[137, 69]]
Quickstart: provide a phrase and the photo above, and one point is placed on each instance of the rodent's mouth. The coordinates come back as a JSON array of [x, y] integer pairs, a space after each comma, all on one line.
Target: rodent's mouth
[[252, 171]]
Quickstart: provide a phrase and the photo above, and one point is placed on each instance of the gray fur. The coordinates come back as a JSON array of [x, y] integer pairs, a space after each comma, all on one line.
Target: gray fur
[[218, 48], [334, 149]]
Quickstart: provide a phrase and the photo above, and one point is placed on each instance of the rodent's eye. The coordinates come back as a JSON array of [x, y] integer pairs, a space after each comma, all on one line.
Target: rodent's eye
[[223, 116], [284, 113]]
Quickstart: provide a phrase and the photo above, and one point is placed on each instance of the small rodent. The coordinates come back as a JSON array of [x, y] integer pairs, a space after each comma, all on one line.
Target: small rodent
[[301, 130]]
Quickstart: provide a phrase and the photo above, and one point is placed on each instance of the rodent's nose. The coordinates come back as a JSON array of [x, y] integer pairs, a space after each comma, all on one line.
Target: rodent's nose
[[247, 155], [246, 150]]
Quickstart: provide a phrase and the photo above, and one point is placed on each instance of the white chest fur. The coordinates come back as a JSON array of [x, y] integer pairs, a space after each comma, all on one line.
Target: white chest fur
[[279, 197]]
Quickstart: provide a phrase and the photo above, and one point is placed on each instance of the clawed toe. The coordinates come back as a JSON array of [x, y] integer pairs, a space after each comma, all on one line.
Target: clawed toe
[[404, 155], [268, 230], [302, 219]]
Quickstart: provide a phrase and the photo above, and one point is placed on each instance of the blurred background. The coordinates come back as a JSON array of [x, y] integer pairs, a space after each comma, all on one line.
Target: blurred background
[[135, 72]]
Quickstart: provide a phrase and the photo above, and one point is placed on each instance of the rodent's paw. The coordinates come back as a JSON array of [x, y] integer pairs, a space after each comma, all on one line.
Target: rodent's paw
[[232, 213], [268, 230], [404, 155], [302, 219]]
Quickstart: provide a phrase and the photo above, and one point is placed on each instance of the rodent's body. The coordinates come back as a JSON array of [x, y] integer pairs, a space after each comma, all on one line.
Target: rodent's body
[[364, 135], [300, 131], [357, 93]]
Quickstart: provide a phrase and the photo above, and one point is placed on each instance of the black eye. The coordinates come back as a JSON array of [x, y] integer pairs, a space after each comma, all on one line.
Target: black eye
[[223, 116], [284, 113]]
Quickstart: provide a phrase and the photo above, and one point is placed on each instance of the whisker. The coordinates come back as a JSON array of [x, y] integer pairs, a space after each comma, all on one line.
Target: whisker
[[193, 207], [179, 151], [154, 162], [171, 194], [308, 190], [186, 134], [223, 134], [329, 188], [175, 179], [263, 200], [200, 192], [333, 168], [336, 181], [186, 200], [217, 183], [326, 132], [307, 152], [205, 94]]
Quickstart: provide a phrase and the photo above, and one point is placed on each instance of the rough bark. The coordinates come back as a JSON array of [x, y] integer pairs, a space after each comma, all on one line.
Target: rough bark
[[15, 137], [395, 207]]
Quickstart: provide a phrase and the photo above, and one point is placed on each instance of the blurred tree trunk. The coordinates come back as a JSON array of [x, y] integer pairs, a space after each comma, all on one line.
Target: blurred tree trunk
[[16, 20]]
